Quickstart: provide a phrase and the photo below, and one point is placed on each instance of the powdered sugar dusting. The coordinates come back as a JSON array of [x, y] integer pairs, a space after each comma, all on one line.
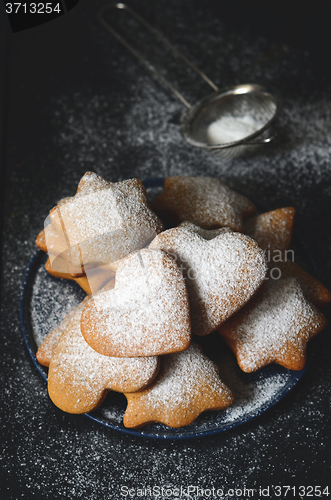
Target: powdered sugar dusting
[[250, 399]]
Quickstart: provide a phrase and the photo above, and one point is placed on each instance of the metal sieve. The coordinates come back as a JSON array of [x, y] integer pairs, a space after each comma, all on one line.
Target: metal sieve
[[248, 110]]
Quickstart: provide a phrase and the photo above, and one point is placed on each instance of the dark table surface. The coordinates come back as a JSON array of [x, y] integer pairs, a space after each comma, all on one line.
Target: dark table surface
[[73, 100]]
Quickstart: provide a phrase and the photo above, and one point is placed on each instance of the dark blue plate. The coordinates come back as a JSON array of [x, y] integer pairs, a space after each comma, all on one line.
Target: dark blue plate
[[46, 300]]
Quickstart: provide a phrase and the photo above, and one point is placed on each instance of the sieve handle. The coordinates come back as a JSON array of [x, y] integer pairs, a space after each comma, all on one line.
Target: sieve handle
[[156, 33]]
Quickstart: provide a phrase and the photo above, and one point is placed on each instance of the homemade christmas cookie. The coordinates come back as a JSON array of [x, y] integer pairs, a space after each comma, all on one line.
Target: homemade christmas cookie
[[274, 327], [187, 384], [200, 276], [79, 378], [205, 201], [222, 272], [272, 230], [147, 312], [104, 221]]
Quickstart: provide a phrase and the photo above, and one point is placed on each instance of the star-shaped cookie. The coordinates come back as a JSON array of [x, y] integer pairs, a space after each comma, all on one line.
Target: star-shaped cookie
[[205, 201], [187, 384], [51, 240], [274, 327], [104, 221], [222, 271]]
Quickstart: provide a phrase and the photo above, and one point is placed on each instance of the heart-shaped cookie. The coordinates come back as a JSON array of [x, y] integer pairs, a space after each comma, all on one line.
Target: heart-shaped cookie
[[222, 273], [79, 378], [146, 314]]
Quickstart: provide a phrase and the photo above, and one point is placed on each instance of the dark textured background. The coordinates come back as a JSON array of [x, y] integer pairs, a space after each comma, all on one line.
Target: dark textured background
[[72, 100]]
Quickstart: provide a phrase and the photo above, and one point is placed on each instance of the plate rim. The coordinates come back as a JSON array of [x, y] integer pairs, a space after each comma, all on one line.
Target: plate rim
[[170, 433]]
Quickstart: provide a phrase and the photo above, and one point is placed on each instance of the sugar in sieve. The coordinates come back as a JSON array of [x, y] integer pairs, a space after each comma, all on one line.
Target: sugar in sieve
[[228, 122]]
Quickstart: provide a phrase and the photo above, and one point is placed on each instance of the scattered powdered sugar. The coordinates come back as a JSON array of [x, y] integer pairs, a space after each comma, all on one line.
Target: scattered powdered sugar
[[252, 398]]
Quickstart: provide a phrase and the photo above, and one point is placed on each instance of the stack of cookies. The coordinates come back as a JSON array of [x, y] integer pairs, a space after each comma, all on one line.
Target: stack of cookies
[[151, 293]]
